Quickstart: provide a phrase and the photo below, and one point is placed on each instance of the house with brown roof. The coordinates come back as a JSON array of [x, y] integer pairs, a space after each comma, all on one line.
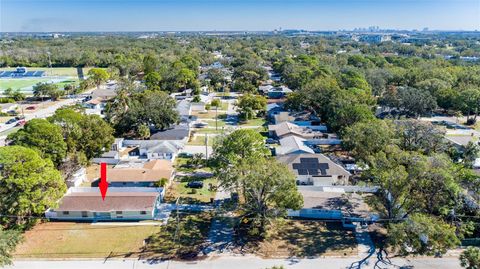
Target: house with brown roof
[[315, 169], [86, 204], [140, 174]]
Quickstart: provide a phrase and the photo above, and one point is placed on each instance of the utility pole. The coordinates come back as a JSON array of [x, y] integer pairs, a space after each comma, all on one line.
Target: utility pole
[[216, 118], [49, 63], [206, 147]]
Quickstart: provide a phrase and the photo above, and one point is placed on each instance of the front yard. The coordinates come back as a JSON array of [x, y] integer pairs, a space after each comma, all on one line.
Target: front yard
[[84, 240], [305, 238], [183, 237]]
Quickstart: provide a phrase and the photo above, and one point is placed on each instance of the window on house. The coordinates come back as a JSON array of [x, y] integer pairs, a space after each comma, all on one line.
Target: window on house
[[119, 212], [84, 214], [66, 212], [143, 212]]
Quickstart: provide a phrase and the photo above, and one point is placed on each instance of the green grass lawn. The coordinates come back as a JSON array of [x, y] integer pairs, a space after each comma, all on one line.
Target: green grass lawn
[[209, 130], [55, 71], [209, 115], [200, 141], [223, 106], [182, 239], [83, 240], [188, 195], [254, 122]]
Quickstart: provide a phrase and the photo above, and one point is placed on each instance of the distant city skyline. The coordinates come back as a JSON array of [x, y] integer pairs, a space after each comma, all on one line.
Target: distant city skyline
[[235, 15]]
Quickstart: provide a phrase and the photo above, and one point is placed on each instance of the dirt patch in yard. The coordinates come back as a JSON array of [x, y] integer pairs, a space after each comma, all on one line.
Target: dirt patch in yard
[[305, 238]]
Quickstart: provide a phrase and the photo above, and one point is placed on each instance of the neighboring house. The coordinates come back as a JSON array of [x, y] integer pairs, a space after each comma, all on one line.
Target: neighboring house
[[140, 174], [285, 129], [95, 106], [105, 93], [278, 92], [112, 156], [155, 149], [336, 204], [293, 145], [5, 108], [176, 133], [305, 120], [315, 169], [86, 204], [77, 178]]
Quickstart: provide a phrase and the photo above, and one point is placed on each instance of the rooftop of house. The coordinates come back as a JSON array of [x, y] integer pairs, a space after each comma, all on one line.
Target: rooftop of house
[[293, 144], [297, 116], [288, 128], [115, 201], [161, 146], [312, 164], [105, 93], [178, 132], [145, 172], [350, 204]]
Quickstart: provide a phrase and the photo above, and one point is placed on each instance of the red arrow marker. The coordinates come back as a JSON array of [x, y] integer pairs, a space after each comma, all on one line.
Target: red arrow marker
[[103, 185]]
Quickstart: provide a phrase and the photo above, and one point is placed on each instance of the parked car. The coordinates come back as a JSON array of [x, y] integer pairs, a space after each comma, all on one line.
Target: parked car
[[195, 184], [10, 121], [30, 107], [20, 123], [185, 155], [271, 141]]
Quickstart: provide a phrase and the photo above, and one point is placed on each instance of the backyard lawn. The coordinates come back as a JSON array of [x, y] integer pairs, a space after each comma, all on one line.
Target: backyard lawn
[[304, 238], [209, 115], [179, 188], [83, 240]]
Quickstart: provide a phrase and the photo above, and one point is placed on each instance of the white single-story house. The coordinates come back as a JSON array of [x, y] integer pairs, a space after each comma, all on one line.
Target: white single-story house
[[338, 204], [315, 169], [120, 204]]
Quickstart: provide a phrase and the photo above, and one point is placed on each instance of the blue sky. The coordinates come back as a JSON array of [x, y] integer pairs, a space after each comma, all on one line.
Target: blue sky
[[185, 15]]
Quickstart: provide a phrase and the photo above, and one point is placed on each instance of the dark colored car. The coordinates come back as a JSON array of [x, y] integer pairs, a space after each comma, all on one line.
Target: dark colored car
[[195, 184], [10, 121], [30, 107]]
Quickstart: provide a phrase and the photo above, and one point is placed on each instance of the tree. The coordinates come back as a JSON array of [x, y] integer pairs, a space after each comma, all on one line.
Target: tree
[[415, 102], [29, 185], [42, 136], [469, 259], [367, 138], [470, 154], [249, 106], [9, 239], [16, 95], [349, 115], [150, 63], [415, 135], [241, 144], [143, 131], [267, 187], [96, 136], [422, 234], [98, 75], [47, 90], [468, 102], [154, 109], [411, 182], [153, 81]]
